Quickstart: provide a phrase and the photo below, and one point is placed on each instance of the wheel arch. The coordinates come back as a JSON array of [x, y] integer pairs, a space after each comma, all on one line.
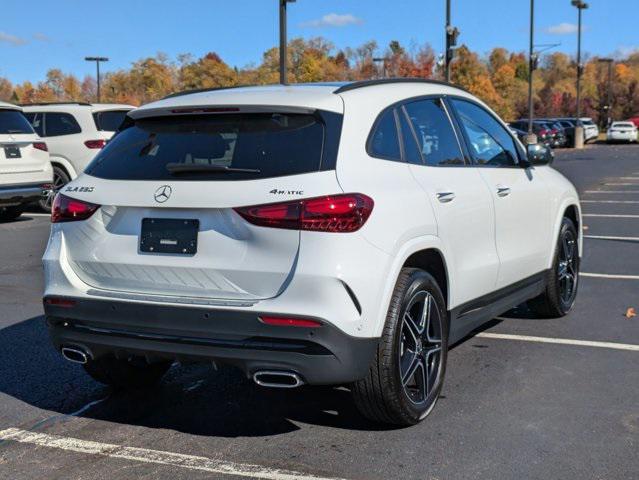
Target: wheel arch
[[432, 261], [423, 252], [65, 165], [571, 209]]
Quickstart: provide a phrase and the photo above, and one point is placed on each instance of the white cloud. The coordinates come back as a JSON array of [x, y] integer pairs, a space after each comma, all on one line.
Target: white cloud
[[334, 20], [42, 37], [11, 39], [624, 51], [562, 29]]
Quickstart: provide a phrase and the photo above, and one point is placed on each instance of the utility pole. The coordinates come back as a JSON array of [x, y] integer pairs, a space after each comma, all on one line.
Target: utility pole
[[608, 107], [579, 129], [532, 64], [283, 41], [97, 61], [451, 41]]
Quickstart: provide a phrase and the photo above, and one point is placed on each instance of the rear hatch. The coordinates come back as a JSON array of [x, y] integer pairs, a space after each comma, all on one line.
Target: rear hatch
[[17, 151], [168, 186]]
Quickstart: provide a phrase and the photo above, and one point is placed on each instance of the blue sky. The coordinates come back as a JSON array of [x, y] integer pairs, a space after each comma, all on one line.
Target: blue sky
[[43, 34]]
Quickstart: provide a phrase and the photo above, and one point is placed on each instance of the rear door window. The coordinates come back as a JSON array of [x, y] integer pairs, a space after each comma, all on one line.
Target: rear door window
[[435, 134], [109, 120], [219, 147], [58, 123], [14, 122]]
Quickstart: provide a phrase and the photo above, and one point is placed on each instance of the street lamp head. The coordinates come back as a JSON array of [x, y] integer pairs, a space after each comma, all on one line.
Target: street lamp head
[[96, 59], [579, 4]]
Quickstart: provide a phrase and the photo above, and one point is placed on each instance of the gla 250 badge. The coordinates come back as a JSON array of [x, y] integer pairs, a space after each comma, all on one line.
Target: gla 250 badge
[[79, 189]]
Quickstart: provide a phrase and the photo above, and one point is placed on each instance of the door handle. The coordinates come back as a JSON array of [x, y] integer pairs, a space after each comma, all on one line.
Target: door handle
[[445, 197], [503, 191]]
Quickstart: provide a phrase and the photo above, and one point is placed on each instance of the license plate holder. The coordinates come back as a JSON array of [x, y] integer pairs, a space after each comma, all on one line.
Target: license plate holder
[[169, 235], [12, 151]]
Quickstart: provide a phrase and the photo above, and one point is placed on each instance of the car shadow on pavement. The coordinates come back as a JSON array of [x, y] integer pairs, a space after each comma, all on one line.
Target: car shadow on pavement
[[193, 398]]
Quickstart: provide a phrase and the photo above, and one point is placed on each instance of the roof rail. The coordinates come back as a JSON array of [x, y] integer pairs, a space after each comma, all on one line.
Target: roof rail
[[384, 81], [40, 104]]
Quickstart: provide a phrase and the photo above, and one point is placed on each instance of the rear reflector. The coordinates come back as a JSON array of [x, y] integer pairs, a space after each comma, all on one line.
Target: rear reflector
[[67, 209], [95, 144], [59, 302], [40, 146], [341, 213], [290, 322]]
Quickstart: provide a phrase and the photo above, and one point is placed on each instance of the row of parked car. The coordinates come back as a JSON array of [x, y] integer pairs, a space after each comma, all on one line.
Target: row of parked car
[[560, 132], [44, 146], [556, 132]]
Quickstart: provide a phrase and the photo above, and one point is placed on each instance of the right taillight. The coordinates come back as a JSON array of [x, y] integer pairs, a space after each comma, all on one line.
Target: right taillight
[[95, 144], [67, 209], [342, 213]]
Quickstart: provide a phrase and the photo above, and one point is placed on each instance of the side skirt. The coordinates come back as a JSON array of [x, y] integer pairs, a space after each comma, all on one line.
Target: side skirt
[[467, 317]]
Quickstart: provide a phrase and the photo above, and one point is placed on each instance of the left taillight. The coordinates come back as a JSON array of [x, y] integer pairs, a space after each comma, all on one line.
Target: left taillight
[[40, 146], [67, 209], [342, 213]]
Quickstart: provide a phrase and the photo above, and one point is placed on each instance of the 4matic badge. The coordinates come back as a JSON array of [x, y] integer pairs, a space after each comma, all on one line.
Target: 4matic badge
[[277, 191]]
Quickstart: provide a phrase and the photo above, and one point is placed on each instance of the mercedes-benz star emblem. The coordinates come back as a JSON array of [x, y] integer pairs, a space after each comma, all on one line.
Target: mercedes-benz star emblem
[[163, 193]]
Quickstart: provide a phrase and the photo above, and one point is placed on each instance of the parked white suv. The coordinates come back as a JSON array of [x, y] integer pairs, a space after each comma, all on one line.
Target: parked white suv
[[25, 171], [75, 133], [319, 234]]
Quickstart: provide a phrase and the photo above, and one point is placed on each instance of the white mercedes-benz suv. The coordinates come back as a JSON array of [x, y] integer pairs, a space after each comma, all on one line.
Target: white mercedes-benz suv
[[25, 170], [311, 234]]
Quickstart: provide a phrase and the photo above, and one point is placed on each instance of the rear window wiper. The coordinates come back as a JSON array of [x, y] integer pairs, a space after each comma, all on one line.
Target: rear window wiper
[[206, 168]]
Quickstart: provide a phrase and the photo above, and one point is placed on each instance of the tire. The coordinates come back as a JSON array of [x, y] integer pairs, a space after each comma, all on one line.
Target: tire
[[382, 396], [60, 179], [8, 214], [563, 278], [126, 374]]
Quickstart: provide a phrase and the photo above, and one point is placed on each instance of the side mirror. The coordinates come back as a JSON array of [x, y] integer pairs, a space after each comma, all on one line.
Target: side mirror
[[539, 154]]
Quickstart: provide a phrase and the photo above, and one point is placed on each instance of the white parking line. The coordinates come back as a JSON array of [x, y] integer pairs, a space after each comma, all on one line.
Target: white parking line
[[189, 462], [609, 201], [29, 214], [635, 192], [560, 341], [608, 215], [609, 275], [605, 237], [628, 178], [614, 184]]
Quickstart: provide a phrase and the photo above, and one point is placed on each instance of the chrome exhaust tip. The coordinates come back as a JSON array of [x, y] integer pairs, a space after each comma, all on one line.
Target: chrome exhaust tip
[[75, 355], [277, 379]]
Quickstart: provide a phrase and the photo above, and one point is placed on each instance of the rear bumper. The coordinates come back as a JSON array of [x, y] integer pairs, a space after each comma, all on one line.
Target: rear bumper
[[20, 194], [321, 356]]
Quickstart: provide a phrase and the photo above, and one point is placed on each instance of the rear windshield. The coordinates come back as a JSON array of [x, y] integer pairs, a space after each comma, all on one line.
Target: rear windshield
[[13, 121], [219, 147], [623, 124], [109, 120]]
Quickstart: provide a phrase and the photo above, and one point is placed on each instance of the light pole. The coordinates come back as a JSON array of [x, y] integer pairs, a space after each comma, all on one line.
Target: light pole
[[579, 129], [451, 41], [97, 61], [283, 56], [608, 107], [532, 63]]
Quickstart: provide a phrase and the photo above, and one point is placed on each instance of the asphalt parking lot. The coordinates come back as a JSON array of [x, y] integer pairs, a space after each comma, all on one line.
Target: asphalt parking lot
[[523, 398]]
